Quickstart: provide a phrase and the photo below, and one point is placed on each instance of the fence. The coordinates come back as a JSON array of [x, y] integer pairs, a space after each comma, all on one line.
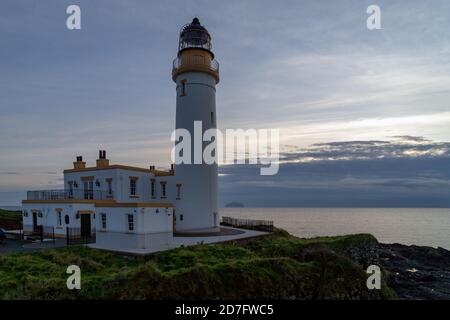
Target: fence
[[88, 194], [39, 231], [178, 62], [76, 236], [260, 225]]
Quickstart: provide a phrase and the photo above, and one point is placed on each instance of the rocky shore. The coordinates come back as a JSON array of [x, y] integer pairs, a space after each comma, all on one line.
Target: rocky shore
[[416, 272]]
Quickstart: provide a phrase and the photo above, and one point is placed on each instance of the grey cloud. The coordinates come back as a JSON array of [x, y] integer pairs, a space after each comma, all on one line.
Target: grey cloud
[[407, 146], [412, 138], [358, 178]]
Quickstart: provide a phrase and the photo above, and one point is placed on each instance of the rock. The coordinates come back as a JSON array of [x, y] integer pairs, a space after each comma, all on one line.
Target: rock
[[416, 272]]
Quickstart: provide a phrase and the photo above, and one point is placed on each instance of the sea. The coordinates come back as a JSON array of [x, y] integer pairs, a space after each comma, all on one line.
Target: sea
[[11, 208], [410, 226]]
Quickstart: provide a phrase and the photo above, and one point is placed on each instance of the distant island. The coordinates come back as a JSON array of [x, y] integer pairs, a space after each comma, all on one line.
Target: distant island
[[234, 204]]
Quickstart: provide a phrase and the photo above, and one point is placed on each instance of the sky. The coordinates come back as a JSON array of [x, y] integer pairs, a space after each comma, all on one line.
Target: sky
[[364, 115]]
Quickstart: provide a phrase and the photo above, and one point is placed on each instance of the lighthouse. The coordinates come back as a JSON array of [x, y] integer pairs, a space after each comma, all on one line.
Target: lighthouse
[[196, 74]]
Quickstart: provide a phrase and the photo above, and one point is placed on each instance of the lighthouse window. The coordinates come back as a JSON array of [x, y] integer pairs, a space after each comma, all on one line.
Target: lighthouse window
[[183, 88], [212, 117], [181, 217], [178, 191]]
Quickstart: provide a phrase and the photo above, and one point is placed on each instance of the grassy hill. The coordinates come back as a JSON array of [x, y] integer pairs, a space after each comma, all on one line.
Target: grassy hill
[[279, 266], [10, 219], [6, 214]]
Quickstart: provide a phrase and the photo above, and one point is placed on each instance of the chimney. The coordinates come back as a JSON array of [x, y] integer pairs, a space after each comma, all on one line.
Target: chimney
[[102, 162], [79, 164]]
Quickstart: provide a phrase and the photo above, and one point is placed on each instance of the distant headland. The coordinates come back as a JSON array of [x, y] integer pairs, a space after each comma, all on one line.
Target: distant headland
[[234, 204]]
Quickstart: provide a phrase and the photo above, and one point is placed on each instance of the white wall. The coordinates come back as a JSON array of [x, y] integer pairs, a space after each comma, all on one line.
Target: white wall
[[121, 184], [152, 228], [199, 181], [146, 220], [49, 215]]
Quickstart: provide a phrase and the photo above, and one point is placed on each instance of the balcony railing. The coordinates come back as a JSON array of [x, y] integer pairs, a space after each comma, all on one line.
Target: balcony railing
[[69, 195], [195, 60]]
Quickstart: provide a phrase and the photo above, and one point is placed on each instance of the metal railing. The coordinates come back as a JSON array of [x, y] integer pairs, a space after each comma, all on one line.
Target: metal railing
[[68, 194], [40, 231], [78, 236], [195, 60], [260, 225]]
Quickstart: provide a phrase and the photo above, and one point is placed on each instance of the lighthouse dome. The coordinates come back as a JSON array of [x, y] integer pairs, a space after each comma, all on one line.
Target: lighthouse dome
[[194, 35]]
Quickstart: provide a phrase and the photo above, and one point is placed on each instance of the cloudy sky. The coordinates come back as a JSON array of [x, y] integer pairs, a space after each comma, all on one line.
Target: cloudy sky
[[364, 116]]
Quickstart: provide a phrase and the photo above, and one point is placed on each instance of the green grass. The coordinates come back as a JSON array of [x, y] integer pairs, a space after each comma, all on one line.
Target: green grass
[[6, 214], [279, 266]]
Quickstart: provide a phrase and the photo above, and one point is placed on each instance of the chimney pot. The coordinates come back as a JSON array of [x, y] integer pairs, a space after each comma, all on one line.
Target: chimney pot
[[79, 164], [102, 162]]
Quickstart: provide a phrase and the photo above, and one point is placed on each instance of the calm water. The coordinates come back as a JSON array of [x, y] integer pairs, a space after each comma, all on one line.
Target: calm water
[[12, 208], [424, 227]]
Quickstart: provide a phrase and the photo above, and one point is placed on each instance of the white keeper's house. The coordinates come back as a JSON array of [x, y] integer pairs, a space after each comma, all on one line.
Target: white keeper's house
[[135, 207]]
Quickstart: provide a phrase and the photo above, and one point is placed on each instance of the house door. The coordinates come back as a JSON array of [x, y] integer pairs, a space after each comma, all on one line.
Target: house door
[[174, 221], [34, 221], [85, 225]]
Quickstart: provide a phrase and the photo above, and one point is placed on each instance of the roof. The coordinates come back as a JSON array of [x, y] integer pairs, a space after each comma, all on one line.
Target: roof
[[123, 167]]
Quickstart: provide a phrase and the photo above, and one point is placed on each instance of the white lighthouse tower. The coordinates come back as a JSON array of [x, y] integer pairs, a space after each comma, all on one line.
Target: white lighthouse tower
[[196, 74]]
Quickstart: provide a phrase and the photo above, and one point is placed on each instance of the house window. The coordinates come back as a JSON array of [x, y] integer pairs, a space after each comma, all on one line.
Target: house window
[[133, 185], [59, 217], [109, 183], [70, 189], [130, 222], [153, 188], [89, 190], [163, 189], [183, 88], [67, 219], [178, 191], [103, 216], [181, 217]]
